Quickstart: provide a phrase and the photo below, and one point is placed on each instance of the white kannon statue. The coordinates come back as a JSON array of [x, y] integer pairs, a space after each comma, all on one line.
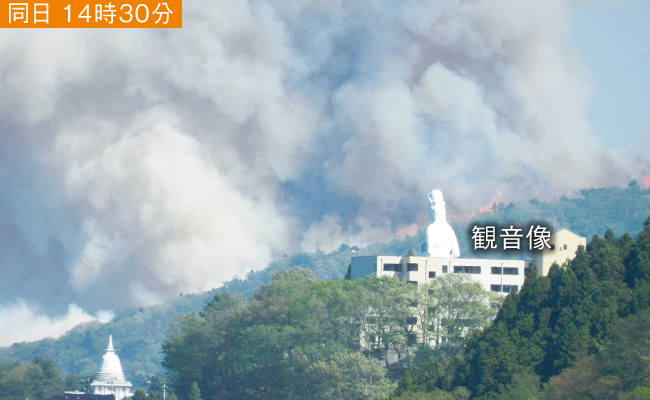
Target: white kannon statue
[[441, 240]]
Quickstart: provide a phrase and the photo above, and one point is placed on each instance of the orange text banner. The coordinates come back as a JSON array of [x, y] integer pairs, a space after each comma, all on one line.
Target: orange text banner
[[91, 14]]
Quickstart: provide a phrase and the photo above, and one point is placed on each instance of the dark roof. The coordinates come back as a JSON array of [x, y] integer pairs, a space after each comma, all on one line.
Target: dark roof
[[83, 396]]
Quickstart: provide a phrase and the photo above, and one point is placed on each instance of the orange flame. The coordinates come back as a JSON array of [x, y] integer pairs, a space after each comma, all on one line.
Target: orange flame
[[488, 208], [408, 230], [645, 182]]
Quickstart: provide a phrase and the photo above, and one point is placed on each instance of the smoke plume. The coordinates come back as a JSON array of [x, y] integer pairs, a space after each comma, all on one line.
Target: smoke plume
[[137, 164], [20, 322]]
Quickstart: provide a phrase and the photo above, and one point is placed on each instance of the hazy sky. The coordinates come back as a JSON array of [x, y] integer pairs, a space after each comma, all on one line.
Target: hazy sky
[[137, 164], [612, 38]]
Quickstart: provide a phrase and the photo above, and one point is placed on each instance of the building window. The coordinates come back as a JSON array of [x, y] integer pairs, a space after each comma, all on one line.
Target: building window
[[413, 282], [467, 269], [510, 288], [496, 270], [412, 267], [552, 247], [444, 269], [565, 247], [393, 267], [411, 339], [495, 288], [432, 274], [412, 320], [510, 271]]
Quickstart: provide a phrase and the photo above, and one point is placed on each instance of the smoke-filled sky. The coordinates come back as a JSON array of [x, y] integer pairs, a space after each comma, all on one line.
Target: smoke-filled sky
[[137, 164]]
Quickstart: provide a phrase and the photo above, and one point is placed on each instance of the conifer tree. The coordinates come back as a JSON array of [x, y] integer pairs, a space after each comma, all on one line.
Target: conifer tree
[[195, 393]]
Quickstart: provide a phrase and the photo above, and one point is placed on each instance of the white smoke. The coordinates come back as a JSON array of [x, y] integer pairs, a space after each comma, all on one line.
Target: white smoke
[[162, 161], [20, 322], [152, 199]]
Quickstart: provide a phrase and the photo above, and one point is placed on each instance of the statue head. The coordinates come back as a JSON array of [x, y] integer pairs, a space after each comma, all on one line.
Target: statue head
[[436, 205]]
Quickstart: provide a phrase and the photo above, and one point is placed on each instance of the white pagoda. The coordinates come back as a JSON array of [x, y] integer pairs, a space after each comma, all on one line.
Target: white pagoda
[[110, 378]]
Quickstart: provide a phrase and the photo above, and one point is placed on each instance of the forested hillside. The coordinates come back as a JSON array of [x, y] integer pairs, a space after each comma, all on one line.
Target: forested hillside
[[589, 212], [581, 332], [139, 333], [302, 338]]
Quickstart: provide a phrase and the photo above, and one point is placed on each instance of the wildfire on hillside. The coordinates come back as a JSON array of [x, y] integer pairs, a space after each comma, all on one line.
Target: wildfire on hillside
[[408, 230], [488, 208], [645, 182]]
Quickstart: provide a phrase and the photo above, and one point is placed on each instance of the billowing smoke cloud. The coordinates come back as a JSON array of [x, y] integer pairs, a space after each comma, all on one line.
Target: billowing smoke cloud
[[21, 323], [141, 163]]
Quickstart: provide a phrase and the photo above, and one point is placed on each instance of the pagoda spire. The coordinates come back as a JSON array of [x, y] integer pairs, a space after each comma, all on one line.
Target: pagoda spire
[[110, 378], [110, 341]]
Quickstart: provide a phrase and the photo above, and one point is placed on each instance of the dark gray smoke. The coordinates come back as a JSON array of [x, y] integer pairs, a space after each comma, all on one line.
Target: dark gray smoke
[[137, 164]]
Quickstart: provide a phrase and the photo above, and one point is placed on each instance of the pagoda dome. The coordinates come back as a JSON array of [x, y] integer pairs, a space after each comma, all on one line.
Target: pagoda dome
[[111, 367], [110, 378]]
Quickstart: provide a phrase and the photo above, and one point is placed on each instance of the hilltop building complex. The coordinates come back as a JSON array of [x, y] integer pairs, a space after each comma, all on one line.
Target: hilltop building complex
[[439, 255]]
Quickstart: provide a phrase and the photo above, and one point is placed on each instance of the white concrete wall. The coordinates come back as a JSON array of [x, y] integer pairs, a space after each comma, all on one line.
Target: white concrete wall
[[488, 278], [564, 246], [424, 269]]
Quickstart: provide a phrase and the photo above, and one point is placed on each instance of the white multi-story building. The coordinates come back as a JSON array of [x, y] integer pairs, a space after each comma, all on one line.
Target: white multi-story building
[[502, 276]]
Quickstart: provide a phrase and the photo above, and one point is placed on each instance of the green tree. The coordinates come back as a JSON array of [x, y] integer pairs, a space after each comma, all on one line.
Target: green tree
[[457, 306], [582, 381], [39, 380], [194, 393], [139, 395], [622, 365], [186, 351], [459, 393], [639, 393], [347, 376], [44, 378], [193, 351], [13, 381], [524, 386], [638, 262], [386, 304]]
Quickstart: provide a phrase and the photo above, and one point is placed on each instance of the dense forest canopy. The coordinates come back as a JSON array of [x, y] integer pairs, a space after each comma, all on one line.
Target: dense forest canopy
[[567, 335], [299, 337]]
